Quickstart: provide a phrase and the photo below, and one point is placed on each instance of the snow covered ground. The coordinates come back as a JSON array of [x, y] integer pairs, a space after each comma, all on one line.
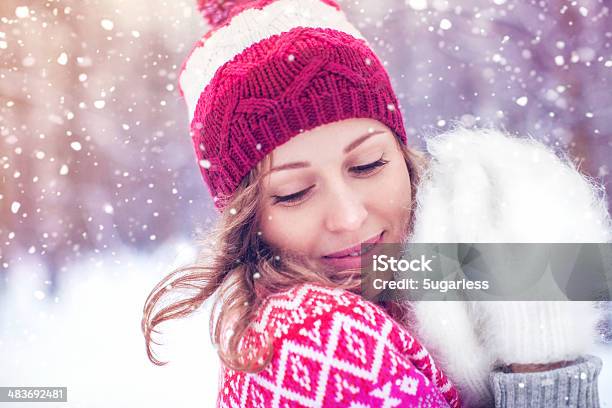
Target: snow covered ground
[[89, 339]]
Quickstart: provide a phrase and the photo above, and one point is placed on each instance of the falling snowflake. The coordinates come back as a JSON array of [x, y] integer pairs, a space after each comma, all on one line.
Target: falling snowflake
[[22, 12], [15, 206], [107, 24], [62, 59], [445, 24], [522, 101]]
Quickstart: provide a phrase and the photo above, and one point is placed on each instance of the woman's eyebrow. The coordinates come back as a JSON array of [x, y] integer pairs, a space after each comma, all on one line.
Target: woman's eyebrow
[[288, 166], [353, 145]]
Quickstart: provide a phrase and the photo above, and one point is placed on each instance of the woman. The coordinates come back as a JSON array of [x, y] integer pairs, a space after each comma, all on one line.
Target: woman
[[288, 321]]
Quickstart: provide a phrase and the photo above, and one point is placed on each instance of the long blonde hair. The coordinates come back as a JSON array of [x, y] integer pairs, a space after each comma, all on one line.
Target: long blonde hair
[[242, 270]]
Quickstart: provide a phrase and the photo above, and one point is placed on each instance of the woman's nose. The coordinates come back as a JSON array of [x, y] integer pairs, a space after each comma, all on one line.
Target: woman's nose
[[345, 211]]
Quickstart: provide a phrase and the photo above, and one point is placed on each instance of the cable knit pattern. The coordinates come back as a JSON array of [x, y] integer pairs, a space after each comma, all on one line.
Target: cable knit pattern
[[269, 70], [280, 87], [250, 26], [333, 348]]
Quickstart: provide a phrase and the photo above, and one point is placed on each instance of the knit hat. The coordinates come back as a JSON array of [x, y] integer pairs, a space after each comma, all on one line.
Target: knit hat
[[269, 70]]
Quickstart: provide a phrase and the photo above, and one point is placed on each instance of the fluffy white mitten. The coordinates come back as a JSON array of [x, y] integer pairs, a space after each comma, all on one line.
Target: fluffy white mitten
[[445, 328], [537, 332], [486, 186]]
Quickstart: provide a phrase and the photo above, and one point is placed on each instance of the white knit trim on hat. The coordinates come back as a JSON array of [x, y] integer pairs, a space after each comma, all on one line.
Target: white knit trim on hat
[[249, 27]]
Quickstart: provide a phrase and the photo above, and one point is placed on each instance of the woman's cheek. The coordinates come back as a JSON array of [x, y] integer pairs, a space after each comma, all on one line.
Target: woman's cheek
[[395, 196], [291, 231], [394, 185]]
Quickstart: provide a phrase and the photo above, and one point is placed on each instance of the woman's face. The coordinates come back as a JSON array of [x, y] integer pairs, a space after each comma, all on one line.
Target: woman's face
[[334, 187]]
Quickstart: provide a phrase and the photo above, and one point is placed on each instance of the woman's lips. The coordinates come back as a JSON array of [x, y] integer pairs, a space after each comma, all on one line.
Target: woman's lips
[[350, 258]]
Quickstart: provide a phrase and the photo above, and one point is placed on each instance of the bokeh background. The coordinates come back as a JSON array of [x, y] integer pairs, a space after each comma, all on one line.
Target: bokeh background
[[100, 191]]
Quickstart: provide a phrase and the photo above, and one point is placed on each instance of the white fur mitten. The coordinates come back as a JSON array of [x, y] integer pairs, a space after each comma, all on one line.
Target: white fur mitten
[[486, 186], [448, 333], [537, 332]]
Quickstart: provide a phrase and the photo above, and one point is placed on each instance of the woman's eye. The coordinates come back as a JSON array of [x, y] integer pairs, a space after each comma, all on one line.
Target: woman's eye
[[292, 198], [369, 168]]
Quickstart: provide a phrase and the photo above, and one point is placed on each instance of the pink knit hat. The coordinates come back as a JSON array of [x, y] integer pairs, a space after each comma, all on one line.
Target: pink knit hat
[[269, 70]]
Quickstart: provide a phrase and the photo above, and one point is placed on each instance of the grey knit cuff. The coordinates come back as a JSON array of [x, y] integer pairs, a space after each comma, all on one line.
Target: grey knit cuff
[[573, 386]]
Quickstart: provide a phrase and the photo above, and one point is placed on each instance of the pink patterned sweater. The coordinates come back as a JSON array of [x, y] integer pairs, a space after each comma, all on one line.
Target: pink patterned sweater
[[333, 348]]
